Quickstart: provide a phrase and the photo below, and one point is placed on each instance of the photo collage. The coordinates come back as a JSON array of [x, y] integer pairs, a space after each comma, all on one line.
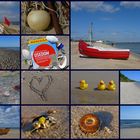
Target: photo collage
[[69, 69]]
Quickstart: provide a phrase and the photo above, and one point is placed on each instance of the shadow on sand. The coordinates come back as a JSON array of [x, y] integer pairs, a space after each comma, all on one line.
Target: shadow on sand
[[105, 117]]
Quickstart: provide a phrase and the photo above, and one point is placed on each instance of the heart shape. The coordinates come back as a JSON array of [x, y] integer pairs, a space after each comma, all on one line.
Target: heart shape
[[40, 85]]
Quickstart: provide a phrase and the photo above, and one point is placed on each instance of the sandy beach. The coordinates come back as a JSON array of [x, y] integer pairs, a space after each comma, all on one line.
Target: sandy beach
[[12, 134], [57, 91], [130, 93], [57, 131], [95, 63], [62, 39], [9, 87], [130, 133], [108, 116], [9, 59], [92, 95]]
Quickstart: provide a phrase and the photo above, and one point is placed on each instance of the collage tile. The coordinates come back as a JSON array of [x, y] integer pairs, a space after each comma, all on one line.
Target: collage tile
[[69, 69]]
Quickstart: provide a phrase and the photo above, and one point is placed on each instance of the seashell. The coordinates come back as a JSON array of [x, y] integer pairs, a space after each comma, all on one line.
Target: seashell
[[52, 39], [26, 54], [89, 123], [6, 93]]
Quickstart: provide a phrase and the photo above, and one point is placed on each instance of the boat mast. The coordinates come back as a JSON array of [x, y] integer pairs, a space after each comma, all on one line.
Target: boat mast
[[91, 33]]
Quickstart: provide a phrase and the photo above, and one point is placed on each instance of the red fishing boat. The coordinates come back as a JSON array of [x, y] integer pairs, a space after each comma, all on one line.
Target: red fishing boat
[[100, 52]]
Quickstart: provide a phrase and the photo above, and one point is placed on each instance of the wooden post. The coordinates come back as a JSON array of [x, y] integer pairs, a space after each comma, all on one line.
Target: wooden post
[[55, 19]]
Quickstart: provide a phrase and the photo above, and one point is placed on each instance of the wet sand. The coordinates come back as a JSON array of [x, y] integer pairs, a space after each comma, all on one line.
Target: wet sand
[[95, 63], [57, 92], [58, 131], [92, 95], [12, 134], [108, 116], [63, 39], [130, 133], [130, 93]]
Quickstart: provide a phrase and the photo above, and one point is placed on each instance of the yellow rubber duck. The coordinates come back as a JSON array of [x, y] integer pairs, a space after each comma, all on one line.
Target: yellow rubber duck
[[83, 85], [111, 85], [101, 85]]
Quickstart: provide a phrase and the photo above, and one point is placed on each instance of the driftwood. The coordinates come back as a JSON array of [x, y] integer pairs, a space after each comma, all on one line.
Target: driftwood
[[55, 19], [4, 131]]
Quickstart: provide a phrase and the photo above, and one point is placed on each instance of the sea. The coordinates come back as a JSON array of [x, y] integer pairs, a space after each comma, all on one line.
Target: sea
[[130, 123], [11, 48], [134, 47]]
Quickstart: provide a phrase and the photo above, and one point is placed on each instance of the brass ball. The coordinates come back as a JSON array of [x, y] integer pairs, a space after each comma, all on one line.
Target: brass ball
[[89, 123]]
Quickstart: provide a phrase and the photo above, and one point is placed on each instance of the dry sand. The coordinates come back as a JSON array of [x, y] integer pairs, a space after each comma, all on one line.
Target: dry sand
[[57, 93], [95, 63], [12, 134], [108, 115], [130, 133], [92, 95], [9, 59], [9, 87], [63, 39], [130, 93], [58, 131]]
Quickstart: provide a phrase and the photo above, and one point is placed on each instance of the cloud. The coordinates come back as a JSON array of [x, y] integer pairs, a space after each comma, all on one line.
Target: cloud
[[8, 3], [94, 6], [128, 4], [9, 116]]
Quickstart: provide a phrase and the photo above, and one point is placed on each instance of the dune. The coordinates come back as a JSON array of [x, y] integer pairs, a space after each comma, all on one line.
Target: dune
[[130, 93]]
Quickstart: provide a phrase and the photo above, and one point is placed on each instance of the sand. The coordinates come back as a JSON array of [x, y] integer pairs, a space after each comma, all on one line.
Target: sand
[[108, 116], [58, 131], [130, 93], [12, 134], [57, 93], [92, 95], [62, 39], [95, 63], [130, 133], [9, 59], [11, 29], [9, 87]]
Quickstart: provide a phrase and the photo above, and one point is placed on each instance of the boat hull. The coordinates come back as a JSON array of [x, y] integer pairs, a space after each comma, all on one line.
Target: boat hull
[[107, 54]]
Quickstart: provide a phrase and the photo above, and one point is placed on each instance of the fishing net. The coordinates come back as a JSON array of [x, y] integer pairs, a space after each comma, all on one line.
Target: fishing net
[[61, 10]]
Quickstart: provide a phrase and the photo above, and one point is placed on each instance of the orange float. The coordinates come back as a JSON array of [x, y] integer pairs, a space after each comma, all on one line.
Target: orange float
[[89, 123]]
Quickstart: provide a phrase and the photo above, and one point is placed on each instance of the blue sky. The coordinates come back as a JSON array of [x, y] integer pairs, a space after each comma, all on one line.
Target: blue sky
[[9, 116], [113, 21], [133, 75], [9, 41], [130, 112], [10, 10]]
